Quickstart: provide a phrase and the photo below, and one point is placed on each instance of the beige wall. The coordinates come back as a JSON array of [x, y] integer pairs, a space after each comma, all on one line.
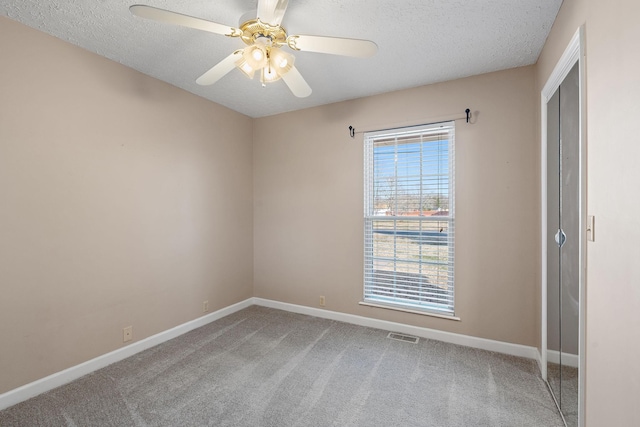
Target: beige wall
[[613, 300], [308, 203], [613, 276], [123, 201]]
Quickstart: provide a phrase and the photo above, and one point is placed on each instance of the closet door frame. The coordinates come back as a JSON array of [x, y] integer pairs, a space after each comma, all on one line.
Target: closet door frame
[[575, 52]]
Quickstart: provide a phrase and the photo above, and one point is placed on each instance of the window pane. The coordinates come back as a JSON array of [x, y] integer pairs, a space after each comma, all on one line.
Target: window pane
[[408, 217]]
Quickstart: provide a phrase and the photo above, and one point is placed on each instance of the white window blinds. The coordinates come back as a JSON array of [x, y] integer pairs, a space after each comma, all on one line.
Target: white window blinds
[[409, 217]]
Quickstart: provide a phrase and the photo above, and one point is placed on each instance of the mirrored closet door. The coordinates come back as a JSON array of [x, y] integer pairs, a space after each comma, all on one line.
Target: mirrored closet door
[[563, 244]]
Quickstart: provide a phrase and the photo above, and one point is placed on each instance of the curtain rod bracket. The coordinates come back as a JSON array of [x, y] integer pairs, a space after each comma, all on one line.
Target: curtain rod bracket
[[468, 111], [352, 131]]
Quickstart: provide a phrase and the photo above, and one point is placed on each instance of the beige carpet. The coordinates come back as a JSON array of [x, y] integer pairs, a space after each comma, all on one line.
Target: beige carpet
[[265, 367]]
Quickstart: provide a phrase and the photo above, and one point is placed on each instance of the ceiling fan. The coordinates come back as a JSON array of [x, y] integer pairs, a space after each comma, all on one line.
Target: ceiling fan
[[265, 39]]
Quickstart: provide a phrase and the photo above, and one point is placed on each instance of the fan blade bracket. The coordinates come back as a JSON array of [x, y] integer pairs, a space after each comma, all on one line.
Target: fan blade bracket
[[235, 32], [291, 42]]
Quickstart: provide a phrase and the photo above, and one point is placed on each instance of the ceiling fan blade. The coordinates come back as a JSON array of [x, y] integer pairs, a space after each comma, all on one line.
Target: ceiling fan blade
[[333, 45], [272, 11], [169, 17], [297, 84], [219, 70]]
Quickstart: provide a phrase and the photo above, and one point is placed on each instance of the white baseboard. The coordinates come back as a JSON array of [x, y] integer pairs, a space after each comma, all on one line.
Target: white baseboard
[[58, 379], [568, 359], [42, 385], [466, 340]]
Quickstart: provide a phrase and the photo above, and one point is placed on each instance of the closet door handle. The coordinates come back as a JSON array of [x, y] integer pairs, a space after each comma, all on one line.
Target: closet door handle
[[560, 238]]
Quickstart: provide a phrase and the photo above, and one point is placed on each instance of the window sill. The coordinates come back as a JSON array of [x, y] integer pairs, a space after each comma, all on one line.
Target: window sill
[[408, 310]]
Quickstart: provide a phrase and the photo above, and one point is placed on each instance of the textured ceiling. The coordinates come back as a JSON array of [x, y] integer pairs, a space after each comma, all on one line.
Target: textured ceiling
[[420, 42]]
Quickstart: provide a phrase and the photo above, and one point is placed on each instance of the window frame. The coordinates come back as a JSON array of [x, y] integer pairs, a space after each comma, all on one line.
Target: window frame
[[377, 286]]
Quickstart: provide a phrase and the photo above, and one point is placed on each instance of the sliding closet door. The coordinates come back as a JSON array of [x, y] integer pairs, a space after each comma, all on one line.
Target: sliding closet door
[[570, 250], [553, 250], [563, 244]]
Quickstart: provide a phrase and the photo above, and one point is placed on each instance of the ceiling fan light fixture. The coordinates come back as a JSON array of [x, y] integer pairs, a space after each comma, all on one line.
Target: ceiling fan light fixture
[[269, 74], [245, 67], [255, 56], [281, 60]]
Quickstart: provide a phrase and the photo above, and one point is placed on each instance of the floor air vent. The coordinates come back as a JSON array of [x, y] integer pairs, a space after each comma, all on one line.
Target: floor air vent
[[402, 337]]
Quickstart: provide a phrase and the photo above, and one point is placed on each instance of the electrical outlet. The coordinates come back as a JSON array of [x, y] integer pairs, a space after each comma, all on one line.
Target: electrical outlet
[[322, 301], [205, 306], [127, 334]]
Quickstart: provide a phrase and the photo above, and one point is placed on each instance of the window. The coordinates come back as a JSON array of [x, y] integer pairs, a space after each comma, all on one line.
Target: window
[[409, 218]]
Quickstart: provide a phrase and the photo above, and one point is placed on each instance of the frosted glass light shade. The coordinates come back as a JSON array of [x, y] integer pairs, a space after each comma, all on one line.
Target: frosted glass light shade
[[281, 60], [245, 67], [255, 56], [269, 74]]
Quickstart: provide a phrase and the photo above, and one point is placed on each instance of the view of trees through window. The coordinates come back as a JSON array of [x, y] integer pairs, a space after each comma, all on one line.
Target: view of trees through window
[[409, 217]]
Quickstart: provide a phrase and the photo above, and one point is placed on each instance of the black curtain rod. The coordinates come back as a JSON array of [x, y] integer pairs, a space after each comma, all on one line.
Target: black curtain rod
[[352, 130]]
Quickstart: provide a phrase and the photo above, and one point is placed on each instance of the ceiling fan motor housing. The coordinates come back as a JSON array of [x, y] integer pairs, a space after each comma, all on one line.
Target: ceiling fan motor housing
[[254, 29]]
